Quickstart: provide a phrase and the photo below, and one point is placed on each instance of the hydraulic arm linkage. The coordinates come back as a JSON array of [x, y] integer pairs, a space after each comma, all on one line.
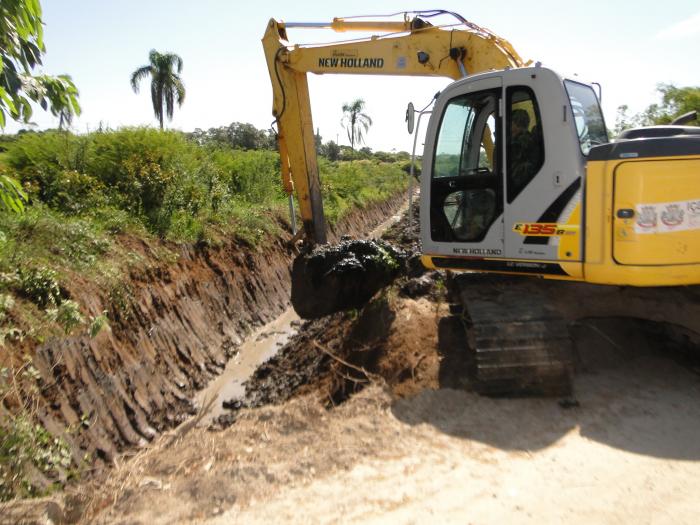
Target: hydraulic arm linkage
[[412, 47]]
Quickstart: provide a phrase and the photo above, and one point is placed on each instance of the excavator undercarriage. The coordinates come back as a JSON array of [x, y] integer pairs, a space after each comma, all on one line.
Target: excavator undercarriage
[[520, 331]]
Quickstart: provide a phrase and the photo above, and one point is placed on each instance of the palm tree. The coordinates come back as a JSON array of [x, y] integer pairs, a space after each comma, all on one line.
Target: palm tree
[[166, 84], [355, 121]]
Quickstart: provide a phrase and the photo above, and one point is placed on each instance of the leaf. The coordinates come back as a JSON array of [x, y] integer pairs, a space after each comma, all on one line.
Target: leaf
[[11, 195], [97, 324]]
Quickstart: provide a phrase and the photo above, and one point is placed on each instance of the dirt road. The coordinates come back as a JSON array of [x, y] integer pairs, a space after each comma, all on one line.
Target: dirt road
[[630, 453]]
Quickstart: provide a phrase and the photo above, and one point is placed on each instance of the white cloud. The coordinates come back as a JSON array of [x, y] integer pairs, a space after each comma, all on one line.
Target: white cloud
[[686, 28]]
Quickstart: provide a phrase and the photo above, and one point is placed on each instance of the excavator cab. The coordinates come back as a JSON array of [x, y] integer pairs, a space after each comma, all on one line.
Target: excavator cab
[[503, 163]]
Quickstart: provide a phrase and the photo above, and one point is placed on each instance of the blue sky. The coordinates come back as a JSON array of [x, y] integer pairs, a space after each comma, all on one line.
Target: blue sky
[[627, 46]]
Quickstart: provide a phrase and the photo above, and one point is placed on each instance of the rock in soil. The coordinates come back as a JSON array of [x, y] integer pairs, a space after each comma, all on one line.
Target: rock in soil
[[332, 278]]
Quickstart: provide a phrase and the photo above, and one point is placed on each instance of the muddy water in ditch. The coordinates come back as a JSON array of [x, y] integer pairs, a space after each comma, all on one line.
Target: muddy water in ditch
[[260, 346], [255, 350]]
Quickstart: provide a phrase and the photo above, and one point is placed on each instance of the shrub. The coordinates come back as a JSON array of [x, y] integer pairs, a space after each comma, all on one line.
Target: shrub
[[25, 445], [39, 285], [67, 315], [177, 188]]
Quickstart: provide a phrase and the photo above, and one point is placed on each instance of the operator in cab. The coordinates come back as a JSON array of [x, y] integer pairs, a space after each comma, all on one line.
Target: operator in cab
[[524, 150]]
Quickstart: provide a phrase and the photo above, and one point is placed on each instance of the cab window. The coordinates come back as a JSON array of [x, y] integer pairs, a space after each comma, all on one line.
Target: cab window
[[525, 143], [466, 188], [588, 117], [465, 145]]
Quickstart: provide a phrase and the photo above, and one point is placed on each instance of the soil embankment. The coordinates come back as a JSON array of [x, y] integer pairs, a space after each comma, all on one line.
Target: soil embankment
[[171, 334]]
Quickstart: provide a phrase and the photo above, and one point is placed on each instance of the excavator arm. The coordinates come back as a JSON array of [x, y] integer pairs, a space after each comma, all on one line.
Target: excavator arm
[[412, 47]]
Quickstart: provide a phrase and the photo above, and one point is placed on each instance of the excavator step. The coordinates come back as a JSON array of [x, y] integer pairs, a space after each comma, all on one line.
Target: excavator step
[[521, 345]]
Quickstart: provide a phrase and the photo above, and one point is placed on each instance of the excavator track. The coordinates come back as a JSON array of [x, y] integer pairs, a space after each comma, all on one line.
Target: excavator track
[[521, 346], [518, 328]]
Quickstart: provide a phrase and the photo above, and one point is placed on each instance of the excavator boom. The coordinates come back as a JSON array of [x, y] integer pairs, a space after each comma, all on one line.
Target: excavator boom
[[412, 47]]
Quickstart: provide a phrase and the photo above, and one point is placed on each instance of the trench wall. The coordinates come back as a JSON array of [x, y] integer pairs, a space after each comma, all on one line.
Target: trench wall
[[178, 328]]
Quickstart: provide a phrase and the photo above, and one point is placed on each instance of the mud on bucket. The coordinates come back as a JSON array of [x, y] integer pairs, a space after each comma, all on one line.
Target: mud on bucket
[[332, 278]]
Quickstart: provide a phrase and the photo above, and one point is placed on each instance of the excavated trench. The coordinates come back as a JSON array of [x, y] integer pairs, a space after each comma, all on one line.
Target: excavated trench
[[171, 334]]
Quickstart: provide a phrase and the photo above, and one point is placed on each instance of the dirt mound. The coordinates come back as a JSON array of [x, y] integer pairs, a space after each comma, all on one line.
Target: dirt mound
[[401, 340]]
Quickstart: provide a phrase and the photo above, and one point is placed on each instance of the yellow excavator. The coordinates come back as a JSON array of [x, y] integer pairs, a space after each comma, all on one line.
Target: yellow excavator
[[518, 177]]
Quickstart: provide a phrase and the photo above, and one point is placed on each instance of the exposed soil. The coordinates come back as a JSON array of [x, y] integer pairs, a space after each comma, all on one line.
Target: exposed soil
[[173, 329], [628, 451], [393, 338], [405, 336]]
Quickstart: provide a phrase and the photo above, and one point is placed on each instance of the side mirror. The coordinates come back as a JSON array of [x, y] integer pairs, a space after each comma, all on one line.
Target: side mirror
[[410, 117]]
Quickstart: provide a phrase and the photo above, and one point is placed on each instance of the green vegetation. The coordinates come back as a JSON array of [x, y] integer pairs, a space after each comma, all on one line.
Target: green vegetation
[[357, 184], [86, 192], [21, 48], [27, 447], [12, 197], [88, 198], [166, 84], [173, 187], [675, 102], [237, 135]]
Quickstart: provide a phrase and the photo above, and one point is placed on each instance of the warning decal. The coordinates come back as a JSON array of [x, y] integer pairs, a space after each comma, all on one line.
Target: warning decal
[[664, 217]]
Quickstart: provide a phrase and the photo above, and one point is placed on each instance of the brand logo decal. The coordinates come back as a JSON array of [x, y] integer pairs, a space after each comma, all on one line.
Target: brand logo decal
[[544, 229], [477, 251], [351, 62]]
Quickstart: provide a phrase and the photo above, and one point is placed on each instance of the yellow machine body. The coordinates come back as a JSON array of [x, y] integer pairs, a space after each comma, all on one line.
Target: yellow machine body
[[632, 217], [658, 246]]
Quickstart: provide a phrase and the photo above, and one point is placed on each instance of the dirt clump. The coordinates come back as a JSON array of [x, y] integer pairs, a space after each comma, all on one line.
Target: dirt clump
[[342, 276]]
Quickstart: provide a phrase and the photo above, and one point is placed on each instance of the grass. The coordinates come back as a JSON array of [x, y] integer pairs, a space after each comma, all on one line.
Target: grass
[[90, 197], [88, 191]]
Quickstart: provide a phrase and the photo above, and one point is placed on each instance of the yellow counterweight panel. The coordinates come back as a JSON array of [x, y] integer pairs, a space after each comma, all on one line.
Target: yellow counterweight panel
[[616, 250], [665, 198]]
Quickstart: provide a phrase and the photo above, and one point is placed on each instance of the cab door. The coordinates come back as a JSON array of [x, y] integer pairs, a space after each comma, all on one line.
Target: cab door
[[464, 207], [544, 170]]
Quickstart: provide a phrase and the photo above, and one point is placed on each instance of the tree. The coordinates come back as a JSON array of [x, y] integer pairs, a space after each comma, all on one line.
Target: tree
[[21, 48], [166, 84], [11, 195], [675, 102], [330, 150], [237, 135], [623, 120], [355, 122]]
